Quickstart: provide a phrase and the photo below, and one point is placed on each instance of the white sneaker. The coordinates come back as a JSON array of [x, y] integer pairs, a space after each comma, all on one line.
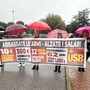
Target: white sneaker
[[20, 65], [23, 64]]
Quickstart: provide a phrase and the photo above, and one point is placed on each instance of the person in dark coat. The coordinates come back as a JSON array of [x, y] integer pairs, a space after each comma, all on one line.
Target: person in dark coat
[[36, 66], [58, 67], [85, 34], [21, 35]]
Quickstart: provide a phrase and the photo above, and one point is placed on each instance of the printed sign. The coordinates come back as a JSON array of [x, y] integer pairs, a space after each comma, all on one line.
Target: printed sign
[[57, 55], [76, 56], [70, 51], [38, 55], [7, 55], [23, 54]]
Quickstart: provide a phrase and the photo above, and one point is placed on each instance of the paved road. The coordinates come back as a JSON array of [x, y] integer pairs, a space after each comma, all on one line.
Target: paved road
[[13, 78], [78, 80]]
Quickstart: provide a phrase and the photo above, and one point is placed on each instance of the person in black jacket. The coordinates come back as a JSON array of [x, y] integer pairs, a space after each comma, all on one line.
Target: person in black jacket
[[36, 66], [85, 34], [58, 67], [21, 35], [88, 48]]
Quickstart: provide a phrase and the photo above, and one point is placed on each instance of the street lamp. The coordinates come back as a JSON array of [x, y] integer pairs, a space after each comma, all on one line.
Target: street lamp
[[13, 16]]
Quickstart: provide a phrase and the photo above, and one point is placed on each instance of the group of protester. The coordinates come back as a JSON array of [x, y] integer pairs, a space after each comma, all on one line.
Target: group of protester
[[36, 66], [84, 34]]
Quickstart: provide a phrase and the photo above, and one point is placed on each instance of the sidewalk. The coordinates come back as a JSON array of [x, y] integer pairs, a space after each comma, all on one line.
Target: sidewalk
[[77, 80]]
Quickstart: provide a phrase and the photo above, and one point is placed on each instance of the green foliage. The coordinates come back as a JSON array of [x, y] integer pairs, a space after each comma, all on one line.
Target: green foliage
[[44, 32], [20, 22], [54, 21], [3, 24], [79, 20], [82, 18], [71, 27], [9, 23]]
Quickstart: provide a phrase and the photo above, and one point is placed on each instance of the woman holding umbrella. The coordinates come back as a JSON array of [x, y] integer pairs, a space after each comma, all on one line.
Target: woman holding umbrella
[[58, 33], [36, 66], [85, 34], [16, 31], [21, 35], [58, 67]]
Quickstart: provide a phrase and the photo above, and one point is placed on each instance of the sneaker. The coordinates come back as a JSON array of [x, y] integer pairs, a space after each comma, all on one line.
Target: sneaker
[[19, 65], [37, 67], [59, 71], [23, 64], [33, 67], [55, 70]]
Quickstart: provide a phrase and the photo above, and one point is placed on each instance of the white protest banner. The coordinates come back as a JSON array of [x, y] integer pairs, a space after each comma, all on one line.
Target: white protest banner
[[71, 51]]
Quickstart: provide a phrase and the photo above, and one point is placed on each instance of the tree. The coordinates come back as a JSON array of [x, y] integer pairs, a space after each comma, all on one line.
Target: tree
[[54, 21], [79, 20], [71, 27], [20, 22], [82, 18], [9, 23], [3, 24]]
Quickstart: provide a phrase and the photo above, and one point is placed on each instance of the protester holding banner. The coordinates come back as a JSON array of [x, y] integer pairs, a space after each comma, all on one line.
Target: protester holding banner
[[36, 66], [58, 67], [85, 34], [21, 35], [88, 48]]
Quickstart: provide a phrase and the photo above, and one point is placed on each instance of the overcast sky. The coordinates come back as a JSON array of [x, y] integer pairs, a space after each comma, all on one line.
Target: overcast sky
[[34, 10]]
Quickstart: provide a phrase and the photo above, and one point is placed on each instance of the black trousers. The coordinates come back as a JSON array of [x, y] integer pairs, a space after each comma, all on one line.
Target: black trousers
[[57, 68], [87, 56], [35, 67]]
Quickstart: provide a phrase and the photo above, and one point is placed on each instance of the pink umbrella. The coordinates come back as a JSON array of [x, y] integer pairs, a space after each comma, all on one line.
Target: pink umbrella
[[54, 33], [38, 25], [80, 30], [15, 29]]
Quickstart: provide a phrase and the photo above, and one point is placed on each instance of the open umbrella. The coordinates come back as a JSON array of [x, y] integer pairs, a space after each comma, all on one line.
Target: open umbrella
[[80, 30], [38, 25], [54, 33], [15, 29]]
